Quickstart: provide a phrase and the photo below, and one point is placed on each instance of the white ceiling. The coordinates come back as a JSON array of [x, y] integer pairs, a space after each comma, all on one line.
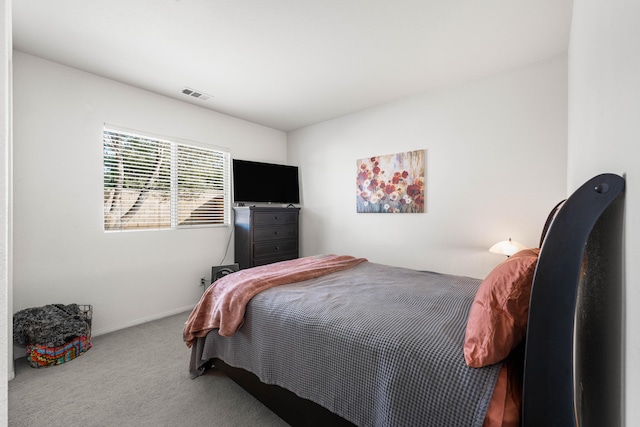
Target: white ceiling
[[291, 63]]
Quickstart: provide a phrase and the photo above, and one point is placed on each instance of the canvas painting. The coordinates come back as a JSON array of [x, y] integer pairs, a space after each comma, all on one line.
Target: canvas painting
[[391, 183]]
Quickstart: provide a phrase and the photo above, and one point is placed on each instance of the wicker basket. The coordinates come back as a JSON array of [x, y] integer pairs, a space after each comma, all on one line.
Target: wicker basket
[[56, 339]]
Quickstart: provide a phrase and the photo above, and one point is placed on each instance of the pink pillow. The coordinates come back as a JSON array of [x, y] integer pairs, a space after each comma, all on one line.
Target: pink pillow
[[498, 317]]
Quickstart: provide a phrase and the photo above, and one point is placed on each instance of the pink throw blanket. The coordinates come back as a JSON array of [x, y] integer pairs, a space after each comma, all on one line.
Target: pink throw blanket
[[223, 304]]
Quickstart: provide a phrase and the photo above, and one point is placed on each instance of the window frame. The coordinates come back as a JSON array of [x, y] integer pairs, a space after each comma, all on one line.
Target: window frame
[[219, 181]]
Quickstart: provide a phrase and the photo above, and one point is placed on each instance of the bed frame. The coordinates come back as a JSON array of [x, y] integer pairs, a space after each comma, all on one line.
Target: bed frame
[[575, 314]]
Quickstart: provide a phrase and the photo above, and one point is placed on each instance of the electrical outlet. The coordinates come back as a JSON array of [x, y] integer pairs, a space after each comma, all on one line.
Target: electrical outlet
[[202, 281]]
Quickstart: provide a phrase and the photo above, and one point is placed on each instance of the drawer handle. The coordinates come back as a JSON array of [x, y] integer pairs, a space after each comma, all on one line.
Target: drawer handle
[[275, 217], [275, 232], [277, 248]]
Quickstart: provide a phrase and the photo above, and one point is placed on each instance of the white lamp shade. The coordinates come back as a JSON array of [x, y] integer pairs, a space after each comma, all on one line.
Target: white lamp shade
[[507, 247]]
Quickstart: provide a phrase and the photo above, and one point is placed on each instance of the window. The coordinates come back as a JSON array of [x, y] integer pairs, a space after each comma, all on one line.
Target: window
[[152, 183]]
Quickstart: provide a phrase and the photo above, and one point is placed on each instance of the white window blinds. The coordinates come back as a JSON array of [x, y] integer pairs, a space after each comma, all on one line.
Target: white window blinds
[[151, 183]]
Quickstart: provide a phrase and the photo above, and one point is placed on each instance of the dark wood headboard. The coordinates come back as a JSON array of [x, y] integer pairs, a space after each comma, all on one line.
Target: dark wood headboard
[[573, 361]]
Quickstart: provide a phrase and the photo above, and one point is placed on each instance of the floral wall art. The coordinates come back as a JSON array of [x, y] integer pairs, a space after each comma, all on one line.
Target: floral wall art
[[391, 183]]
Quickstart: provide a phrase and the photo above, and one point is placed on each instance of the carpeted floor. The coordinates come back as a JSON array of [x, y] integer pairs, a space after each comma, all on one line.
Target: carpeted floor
[[133, 377]]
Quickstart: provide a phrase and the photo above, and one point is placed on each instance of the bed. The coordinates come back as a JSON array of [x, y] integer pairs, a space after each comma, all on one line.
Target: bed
[[339, 340]]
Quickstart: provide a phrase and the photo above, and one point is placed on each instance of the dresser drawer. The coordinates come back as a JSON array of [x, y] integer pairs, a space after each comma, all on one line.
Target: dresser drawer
[[281, 257], [275, 248], [274, 218], [272, 233]]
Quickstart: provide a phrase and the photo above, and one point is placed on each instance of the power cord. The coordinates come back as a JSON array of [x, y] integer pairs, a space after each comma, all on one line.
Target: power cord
[[228, 241]]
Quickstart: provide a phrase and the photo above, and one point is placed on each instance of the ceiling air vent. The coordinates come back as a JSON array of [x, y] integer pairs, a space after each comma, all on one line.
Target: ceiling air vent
[[195, 94]]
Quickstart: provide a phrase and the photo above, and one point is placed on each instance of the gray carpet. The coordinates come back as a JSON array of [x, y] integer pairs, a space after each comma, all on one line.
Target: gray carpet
[[133, 377]]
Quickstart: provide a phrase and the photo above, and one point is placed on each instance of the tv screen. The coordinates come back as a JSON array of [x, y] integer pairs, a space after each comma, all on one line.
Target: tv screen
[[264, 182]]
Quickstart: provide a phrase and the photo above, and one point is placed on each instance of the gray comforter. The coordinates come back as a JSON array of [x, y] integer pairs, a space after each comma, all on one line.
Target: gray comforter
[[378, 345]]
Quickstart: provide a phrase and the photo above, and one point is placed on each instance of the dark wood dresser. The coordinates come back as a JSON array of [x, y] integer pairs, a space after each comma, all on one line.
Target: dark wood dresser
[[264, 235]]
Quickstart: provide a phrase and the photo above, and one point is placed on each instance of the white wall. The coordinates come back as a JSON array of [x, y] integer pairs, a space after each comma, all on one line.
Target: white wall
[[496, 165], [6, 367], [61, 254], [604, 136]]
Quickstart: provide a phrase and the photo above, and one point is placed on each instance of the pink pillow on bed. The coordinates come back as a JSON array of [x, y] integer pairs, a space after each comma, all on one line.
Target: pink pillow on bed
[[498, 317]]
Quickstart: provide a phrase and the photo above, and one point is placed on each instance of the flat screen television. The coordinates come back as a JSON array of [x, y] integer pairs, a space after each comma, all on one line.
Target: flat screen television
[[256, 182]]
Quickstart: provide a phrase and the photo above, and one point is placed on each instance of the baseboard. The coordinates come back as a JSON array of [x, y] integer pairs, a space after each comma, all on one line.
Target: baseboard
[[20, 351], [98, 332]]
